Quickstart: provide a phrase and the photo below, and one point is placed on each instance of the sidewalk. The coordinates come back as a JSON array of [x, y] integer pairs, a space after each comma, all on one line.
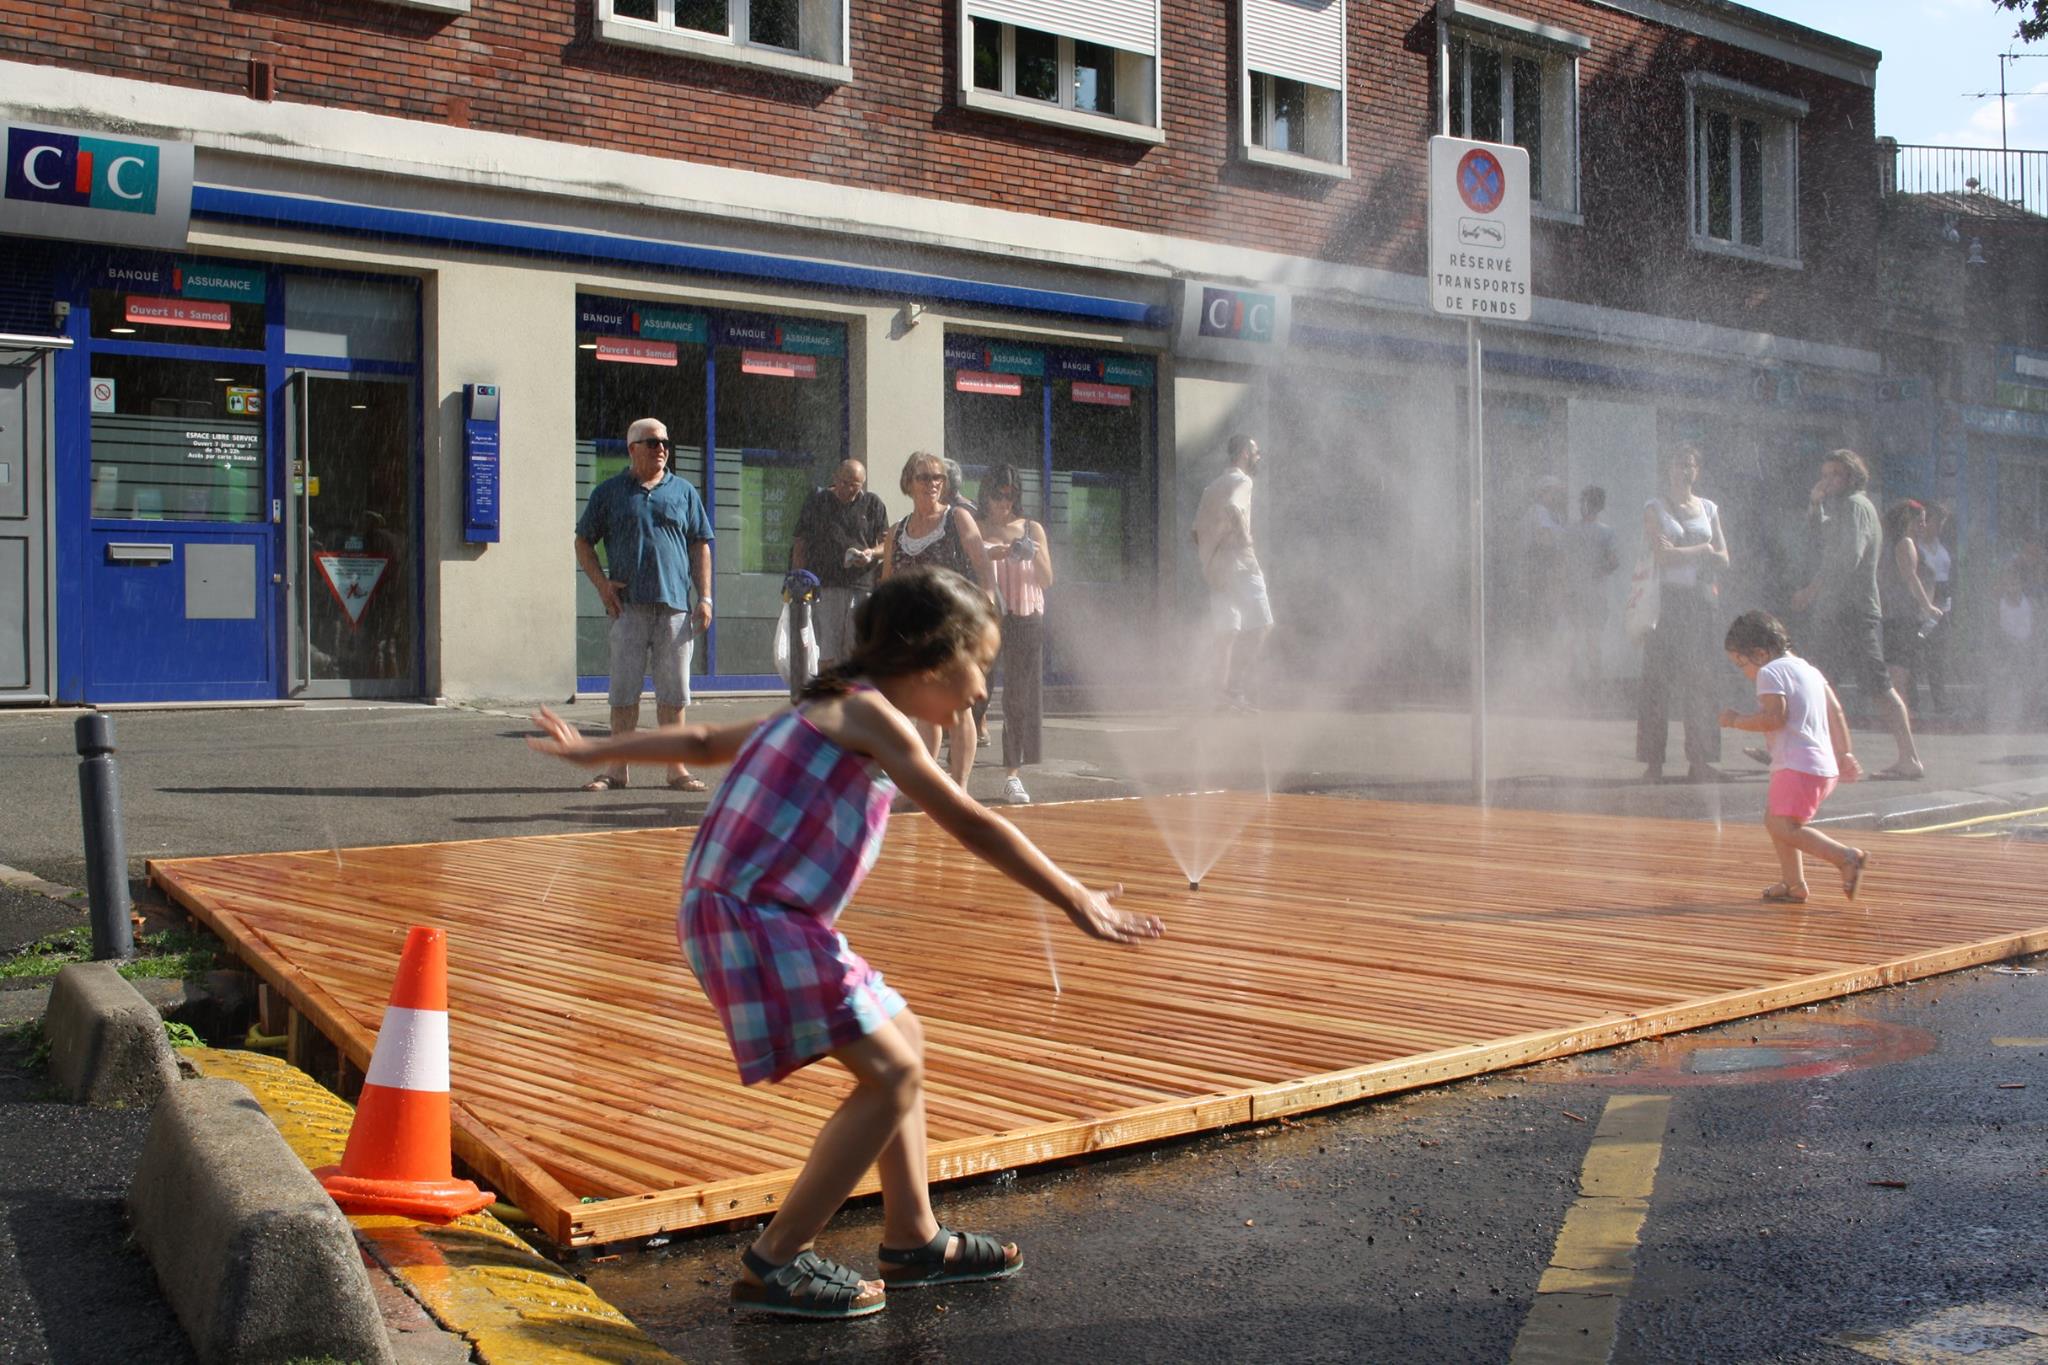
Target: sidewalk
[[237, 781]]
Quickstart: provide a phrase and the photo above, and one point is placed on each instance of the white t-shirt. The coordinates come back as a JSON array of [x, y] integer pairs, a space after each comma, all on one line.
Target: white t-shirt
[[1697, 528], [1226, 508], [1803, 743]]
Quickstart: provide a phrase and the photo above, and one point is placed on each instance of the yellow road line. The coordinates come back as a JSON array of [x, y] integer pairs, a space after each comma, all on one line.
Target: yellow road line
[[1578, 1300], [1974, 820], [2019, 1042], [474, 1275]]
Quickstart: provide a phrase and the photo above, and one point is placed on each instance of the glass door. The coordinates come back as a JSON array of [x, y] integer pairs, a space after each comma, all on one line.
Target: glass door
[[352, 536]]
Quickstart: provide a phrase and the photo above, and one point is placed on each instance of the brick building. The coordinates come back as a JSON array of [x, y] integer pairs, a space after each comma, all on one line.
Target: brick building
[[801, 229]]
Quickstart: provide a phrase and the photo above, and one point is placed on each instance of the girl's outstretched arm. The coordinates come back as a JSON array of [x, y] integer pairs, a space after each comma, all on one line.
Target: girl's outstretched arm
[[1769, 715], [1838, 731], [669, 744], [868, 724]]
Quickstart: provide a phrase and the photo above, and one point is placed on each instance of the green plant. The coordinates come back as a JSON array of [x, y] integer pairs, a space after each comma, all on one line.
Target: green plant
[[181, 1035], [49, 954], [28, 1036]]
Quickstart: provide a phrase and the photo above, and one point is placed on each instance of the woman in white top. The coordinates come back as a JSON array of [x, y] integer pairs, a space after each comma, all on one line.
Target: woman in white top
[[1022, 560], [1937, 565], [1681, 657]]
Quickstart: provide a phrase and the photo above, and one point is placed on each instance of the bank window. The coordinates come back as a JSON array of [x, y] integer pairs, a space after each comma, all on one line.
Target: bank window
[[1088, 66], [1744, 160], [800, 37], [1518, 84], [176, 440], [1293, 86], [162, 311]]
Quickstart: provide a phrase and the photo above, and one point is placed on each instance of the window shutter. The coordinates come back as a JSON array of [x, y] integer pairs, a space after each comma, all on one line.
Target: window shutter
[[1128, 25], [1301, 40]]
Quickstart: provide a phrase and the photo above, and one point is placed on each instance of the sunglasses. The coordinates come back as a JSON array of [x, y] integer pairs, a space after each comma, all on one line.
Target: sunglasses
[[658, 442], [928, 478]]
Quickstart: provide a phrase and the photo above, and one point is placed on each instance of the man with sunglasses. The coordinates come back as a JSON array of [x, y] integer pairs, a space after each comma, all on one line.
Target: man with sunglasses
[[657, 556]]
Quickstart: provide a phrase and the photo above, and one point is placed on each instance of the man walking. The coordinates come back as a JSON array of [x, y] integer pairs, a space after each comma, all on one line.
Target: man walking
[[1230, 566], [1846, 617], [839, 535], [657, 544]]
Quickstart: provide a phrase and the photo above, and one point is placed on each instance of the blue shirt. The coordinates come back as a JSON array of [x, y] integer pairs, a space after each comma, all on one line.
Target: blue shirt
[[647, 534]]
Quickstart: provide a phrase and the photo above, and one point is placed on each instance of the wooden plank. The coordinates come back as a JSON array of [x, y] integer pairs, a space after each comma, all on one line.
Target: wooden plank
[[1339, 950]]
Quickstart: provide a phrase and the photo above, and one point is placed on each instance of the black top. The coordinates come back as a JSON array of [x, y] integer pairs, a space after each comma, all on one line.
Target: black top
[[829, 527]]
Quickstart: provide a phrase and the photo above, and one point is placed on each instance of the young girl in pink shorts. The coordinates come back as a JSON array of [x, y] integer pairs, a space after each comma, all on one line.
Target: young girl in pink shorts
[[1802, 721]]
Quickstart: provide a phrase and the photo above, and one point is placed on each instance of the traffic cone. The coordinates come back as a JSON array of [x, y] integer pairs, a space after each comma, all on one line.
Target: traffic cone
[[397, 1159]]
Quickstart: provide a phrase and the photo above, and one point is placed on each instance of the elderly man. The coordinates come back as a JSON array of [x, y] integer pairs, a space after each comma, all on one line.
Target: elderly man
[[839, 535], [1847, 620], [657, 544]]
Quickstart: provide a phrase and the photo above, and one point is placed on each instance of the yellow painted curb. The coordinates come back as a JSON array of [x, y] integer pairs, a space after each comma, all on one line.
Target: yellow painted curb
[[474, 1275]]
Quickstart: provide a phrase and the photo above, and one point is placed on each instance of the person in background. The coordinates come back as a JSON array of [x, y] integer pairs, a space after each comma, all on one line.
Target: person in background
[[1022, 559], [1937, 565], [2014, 686], [1910, 614], [839, 535], [1683, 531], [939, 535], [1847, 614], [1222, 536], [956, 496], [1590, 560], [657, 547]]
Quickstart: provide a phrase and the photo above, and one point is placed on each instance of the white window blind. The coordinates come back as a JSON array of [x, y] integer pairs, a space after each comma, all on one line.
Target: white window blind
[[1300, 40], [1129, 25]]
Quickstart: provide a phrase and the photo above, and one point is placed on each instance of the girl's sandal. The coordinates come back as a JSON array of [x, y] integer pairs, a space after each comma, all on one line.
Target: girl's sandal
[[981, 1258], [1777, 893], [1852, 872], [808, 1286]]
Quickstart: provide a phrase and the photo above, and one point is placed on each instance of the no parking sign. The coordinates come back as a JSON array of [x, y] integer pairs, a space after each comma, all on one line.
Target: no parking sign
[[1478, 229]]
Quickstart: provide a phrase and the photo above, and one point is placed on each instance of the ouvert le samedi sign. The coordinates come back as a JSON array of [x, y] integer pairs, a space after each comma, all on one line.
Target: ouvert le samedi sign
[[1478, 229]]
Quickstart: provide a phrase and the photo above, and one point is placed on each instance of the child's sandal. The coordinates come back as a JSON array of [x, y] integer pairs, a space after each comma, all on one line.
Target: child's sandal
[[808, 1286], [981, 1258], [1778, 893]]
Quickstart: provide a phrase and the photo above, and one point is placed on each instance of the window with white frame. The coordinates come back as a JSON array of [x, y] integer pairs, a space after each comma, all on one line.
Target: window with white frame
[[1080, 63], [1293, 82], [801, 37], [1743, 156], [1516, 81]]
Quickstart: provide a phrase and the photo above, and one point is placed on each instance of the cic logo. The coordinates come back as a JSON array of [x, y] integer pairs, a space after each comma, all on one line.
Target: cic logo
[[1237, 315], [81, 172]]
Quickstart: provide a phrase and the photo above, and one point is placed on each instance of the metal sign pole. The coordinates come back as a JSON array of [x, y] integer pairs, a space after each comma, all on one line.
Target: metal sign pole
[[1475, 457]]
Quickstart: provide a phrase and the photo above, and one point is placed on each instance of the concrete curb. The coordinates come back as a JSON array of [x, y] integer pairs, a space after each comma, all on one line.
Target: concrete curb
[[253, 1257], [107, 1044]]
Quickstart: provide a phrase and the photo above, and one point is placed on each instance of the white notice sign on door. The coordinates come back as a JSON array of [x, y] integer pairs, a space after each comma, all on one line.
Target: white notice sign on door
[[353, 580], [1478, 229]]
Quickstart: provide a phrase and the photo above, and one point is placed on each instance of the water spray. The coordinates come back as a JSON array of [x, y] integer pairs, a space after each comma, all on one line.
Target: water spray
[[1045, 932]]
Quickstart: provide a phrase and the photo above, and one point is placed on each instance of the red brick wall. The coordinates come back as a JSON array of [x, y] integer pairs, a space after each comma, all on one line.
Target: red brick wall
[[532, 67]]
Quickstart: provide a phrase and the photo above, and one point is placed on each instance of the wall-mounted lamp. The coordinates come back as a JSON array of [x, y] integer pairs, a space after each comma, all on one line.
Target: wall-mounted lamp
[[908, 314]]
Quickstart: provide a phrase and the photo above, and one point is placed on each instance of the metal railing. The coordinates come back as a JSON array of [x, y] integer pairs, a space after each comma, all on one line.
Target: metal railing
[[2018, 178]]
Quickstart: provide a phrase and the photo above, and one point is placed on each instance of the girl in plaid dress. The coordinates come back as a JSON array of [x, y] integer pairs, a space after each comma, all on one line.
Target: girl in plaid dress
[[787, 839]]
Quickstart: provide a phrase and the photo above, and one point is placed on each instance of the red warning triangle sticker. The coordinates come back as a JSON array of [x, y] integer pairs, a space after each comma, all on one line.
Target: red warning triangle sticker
[[353, 580]]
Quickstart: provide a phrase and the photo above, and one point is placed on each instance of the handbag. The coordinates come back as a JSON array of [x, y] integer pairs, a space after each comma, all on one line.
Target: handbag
[[1645, 597], [810, 646]]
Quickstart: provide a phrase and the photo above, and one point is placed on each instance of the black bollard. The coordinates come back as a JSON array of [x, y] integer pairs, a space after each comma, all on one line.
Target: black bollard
[[106, 851]]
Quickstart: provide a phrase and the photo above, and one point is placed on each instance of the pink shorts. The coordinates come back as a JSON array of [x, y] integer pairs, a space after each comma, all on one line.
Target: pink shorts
[[1797, 795]]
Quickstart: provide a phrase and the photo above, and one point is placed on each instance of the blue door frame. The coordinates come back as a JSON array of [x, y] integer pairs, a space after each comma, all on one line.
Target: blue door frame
[[127, 586]]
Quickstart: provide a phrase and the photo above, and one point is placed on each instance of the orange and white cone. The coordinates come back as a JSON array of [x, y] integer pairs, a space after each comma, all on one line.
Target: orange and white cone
[[397, 1159]]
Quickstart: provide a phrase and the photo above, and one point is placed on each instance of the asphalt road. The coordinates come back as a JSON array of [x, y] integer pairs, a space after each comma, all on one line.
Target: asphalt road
[[1833, 1183]]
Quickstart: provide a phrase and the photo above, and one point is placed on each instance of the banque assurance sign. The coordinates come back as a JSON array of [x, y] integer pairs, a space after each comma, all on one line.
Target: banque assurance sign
[[95, 187]]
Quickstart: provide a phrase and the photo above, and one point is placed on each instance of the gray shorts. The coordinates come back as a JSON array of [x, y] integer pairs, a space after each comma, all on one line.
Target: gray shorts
[[832, 622], [651, 641], [1239, 603]]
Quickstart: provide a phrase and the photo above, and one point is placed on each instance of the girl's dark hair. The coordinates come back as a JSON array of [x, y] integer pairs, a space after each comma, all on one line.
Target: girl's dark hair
[[916, 621], [1754, 630], [999, 477], [1899, 519]]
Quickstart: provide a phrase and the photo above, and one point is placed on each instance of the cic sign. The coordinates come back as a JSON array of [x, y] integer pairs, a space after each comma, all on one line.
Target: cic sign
[[1228, 322], [92, 188]]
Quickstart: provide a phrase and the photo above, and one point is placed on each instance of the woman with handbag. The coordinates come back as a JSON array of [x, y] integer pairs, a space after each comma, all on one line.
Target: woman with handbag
[[1021, 557], [1683, 540]]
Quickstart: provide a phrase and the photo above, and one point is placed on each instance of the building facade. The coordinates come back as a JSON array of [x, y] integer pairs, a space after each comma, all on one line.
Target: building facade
[[1088, 238]]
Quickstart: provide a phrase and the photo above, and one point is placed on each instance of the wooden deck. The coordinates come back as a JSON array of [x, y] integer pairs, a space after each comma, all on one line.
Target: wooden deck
[[1338, 949]]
